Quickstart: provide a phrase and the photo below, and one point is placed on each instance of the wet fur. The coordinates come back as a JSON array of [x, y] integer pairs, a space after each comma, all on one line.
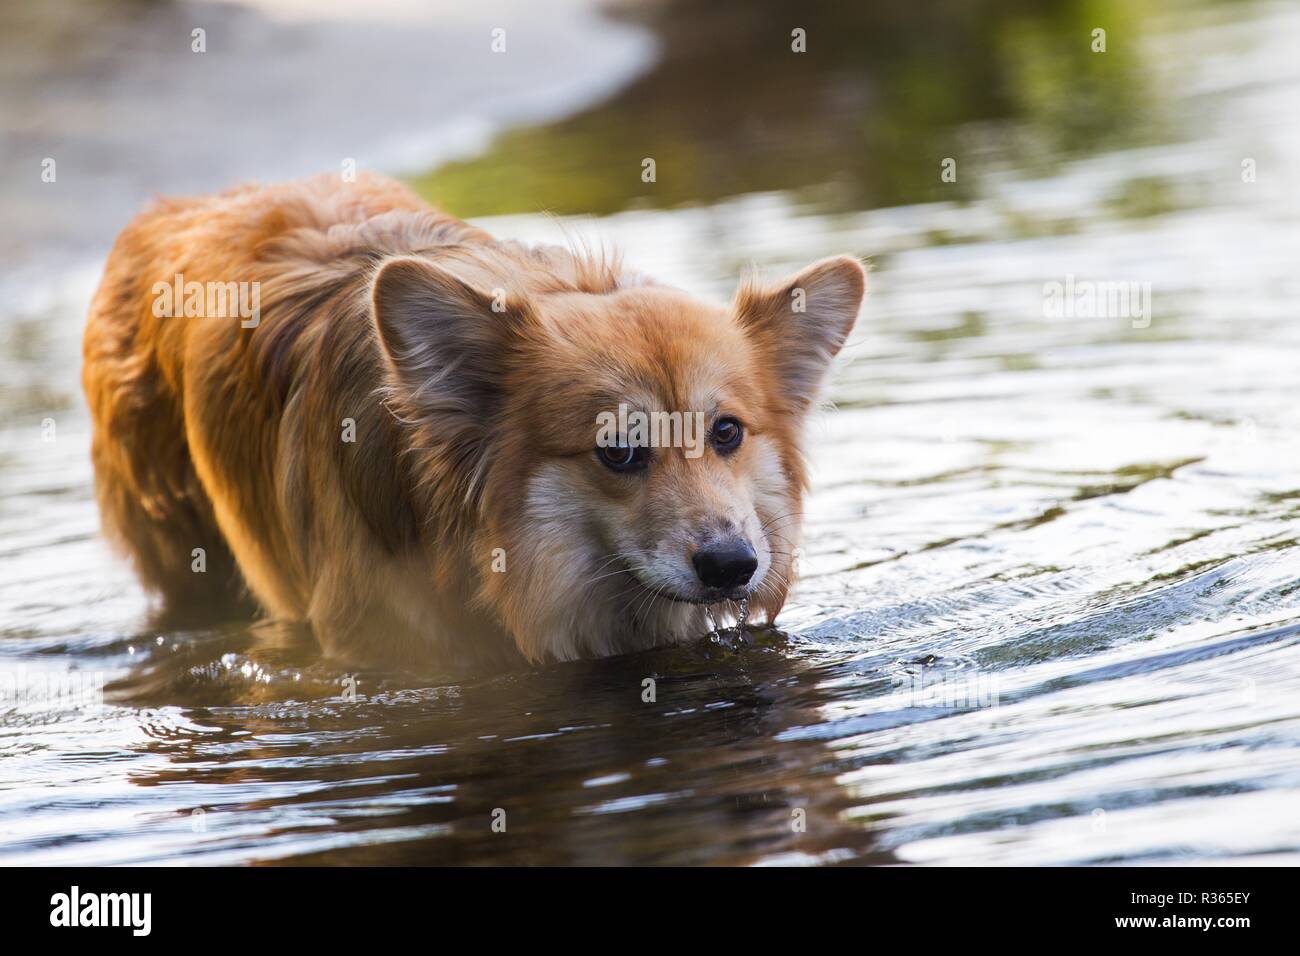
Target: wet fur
[[474, 425]]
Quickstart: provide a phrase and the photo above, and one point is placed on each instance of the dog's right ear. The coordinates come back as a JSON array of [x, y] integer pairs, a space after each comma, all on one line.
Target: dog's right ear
[[802, 323], [445, 340]]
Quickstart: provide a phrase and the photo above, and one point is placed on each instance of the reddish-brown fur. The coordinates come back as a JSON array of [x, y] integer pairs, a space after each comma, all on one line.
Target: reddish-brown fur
[[469, 518]]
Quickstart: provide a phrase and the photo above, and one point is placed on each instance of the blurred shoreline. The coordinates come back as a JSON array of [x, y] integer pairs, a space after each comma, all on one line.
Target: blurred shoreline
[[115, 93]]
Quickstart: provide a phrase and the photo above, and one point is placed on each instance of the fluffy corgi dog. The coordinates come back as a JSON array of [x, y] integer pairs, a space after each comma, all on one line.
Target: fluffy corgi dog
[[429, 444]]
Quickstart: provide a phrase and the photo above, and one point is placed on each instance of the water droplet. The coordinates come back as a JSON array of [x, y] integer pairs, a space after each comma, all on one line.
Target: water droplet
[[713, 623]]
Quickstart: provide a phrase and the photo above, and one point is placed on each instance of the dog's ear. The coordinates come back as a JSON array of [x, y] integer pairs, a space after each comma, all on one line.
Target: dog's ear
[[801, 324], [446, 341]]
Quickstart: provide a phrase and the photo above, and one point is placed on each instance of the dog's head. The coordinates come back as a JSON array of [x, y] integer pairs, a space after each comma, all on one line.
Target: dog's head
[[616, 462]]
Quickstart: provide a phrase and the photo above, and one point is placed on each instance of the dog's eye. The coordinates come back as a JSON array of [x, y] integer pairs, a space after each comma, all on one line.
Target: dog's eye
[[727, 434], [623, 457]]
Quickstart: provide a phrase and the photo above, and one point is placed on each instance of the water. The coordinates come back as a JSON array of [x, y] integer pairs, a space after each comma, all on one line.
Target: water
[[1050, 610]]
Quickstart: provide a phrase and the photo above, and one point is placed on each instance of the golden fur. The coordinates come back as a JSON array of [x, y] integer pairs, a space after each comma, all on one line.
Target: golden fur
[[469, 518]]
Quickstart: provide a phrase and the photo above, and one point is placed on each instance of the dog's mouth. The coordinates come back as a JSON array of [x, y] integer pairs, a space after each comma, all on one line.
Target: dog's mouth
[[712, 596], [701, 596], [714, 604]]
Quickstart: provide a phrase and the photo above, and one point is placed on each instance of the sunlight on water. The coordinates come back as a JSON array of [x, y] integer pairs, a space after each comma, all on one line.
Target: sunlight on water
[[1050, 609]]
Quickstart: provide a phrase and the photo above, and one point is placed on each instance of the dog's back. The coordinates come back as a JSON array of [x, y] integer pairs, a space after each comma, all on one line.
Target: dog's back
[[209, 428]]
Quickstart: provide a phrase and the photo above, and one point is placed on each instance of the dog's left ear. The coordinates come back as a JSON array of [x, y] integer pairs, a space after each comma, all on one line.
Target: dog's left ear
[[801, 324]]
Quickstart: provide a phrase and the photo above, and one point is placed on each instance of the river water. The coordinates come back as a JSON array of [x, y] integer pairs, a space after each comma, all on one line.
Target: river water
[[1050, 610]]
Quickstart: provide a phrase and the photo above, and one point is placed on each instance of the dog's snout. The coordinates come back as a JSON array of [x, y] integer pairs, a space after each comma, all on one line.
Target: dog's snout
[[727, 564]]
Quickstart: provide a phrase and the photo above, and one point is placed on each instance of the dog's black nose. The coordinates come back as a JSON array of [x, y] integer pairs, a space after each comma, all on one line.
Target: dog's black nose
[[726, 565]]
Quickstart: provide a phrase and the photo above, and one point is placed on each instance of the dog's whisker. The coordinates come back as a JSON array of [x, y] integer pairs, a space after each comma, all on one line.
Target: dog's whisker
[[617, 557], [789, 514], [617, 571]]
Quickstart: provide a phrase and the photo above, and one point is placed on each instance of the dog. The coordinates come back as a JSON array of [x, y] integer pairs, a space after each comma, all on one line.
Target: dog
[[375, 419]]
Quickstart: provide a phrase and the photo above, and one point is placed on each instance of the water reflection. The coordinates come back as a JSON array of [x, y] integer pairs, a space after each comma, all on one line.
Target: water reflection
[[560, 758], [863, 117]]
